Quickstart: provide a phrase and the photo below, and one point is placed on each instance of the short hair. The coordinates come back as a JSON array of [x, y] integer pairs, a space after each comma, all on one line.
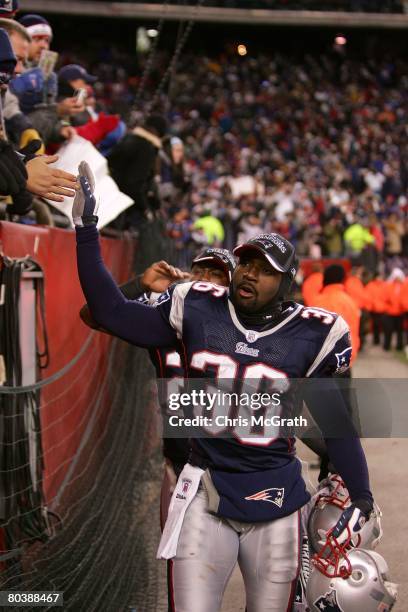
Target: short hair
[[13, 27]]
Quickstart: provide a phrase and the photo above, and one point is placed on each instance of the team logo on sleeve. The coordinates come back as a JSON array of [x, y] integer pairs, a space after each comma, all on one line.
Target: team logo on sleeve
[[343, 360], [273, 496], [328, 602], [164, 297]]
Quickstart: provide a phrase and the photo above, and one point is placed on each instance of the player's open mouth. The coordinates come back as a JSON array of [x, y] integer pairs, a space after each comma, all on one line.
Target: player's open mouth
[[246, 291]]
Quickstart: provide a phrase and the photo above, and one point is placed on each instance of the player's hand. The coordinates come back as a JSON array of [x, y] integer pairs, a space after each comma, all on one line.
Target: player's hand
[[160, 275], [351, 522], [47, 182], [84, 207]]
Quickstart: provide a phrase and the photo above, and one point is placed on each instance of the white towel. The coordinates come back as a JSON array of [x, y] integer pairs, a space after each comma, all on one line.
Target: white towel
[[184, 493]]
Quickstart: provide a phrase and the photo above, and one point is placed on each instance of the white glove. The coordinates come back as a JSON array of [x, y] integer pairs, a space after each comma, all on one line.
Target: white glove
[[84, 207]]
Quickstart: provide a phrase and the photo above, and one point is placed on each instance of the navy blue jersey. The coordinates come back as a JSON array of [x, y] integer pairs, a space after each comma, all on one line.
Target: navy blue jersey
[[251, 482], [308, 342]]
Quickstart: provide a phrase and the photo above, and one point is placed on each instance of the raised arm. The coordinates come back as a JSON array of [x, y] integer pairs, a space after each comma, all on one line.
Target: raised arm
[[132, 321]]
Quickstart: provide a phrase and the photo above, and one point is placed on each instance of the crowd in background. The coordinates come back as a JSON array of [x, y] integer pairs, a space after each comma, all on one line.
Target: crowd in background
[[316, 150], [313, 148]]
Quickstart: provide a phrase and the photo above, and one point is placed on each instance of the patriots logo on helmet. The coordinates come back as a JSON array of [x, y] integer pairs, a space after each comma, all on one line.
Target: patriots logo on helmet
[[343, 360], [273, 496], [328, 602]]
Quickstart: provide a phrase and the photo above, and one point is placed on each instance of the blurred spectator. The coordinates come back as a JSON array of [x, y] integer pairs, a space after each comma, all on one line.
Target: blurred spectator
[[179, 230], [41, 36], [71, 79], [357, 237], [333, 297], [34, 176], [8, 63], [74, 82], [132, 163], [36, 94], [394, 230], [173, 182], [20, 128], [394, 309], [312, 285], [110, 127], [210, 228], [375, 290], [332, 231], [39, 86]]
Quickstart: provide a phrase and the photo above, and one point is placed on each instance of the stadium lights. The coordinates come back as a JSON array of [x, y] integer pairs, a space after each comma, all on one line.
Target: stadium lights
[[340, 40], [152, 33], [242, 50]]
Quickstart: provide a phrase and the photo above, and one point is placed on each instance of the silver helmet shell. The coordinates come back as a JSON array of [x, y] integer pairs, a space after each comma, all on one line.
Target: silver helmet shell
[[367, 587]]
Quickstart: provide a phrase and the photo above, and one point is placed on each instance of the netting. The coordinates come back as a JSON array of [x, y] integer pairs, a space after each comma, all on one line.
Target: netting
[[80, 449], [102, 555]]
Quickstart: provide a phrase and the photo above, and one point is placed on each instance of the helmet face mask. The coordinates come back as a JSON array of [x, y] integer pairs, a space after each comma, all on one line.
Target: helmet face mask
[[329, 504], [346, 576]]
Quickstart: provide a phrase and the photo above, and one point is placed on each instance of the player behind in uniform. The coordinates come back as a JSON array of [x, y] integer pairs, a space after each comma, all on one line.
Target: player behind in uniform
[[234, 500]]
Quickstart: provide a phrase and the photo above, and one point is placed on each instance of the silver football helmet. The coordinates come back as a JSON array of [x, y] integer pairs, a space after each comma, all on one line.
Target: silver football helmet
[[329, 504], [361, 584]]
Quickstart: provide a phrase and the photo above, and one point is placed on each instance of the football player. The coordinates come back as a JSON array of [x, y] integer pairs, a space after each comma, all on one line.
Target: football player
[[237, 500]]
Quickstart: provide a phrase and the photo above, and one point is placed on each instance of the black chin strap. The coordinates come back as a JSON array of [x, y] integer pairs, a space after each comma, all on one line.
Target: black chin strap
[[269, 316]]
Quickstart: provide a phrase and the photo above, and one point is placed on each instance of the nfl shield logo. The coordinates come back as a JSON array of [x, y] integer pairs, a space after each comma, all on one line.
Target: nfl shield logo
[[251, 336]]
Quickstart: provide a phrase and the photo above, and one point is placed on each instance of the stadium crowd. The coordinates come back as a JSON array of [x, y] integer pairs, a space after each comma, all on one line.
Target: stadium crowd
[[312, 148]]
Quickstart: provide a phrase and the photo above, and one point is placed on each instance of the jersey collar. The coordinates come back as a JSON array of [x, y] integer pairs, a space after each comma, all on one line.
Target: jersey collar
[[253, 335]]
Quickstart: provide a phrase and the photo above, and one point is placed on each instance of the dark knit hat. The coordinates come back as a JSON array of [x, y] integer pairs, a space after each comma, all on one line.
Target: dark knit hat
[[8, 8], [333, 274], [36, 25], [7, 58]]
